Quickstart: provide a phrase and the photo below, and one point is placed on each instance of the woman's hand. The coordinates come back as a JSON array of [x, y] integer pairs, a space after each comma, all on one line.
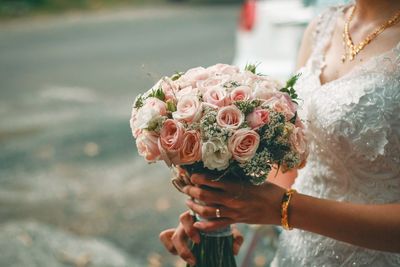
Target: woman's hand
[[236, 202], [176, 240]]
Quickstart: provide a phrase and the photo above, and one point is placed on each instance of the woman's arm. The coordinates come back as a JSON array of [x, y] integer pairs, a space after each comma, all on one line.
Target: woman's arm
[[371, 226]]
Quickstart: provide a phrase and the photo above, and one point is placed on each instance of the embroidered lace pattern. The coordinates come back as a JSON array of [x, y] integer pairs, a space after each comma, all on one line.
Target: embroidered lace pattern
[[353, 126]]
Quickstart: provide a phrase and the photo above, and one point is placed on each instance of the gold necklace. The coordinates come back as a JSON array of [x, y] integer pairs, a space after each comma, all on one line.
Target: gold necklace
[[351, 50]]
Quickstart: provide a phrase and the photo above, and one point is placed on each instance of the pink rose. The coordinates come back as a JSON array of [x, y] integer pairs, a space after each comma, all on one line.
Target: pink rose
[[196, 74], [147, 144], [190, 151], [155, 104], [189, 90], [223, 69], [133, 123], [241, 93], [216, 96], [243, 144], [264, 93], [216, 81], [258, 118], [188, 109], [297, 140], [170, 141], [281, 102], [230, 117], [169, 88]]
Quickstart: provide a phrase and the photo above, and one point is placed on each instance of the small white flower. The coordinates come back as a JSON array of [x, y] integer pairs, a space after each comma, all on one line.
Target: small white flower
[[215, 154]]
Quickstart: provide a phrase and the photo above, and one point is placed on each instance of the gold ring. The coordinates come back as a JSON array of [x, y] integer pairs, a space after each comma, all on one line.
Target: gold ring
[[218, 213]]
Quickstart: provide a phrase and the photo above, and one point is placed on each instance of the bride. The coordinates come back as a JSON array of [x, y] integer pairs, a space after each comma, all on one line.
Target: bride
[[344, 205]]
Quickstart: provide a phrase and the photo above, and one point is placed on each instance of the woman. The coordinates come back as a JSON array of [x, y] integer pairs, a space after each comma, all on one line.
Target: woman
[[346, 211]]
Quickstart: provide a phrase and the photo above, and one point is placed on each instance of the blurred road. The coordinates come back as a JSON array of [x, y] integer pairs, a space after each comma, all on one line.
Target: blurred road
[[68, 164]]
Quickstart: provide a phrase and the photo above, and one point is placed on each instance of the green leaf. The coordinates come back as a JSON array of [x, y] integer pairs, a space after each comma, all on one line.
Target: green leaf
[[158, 93], [171, 106], [251, 67], [293, 120], [289, 88], [138, 102], [176, 76]]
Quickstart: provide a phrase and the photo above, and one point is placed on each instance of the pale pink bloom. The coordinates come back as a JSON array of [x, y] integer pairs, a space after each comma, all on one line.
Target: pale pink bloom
[[297, 140], [230, 117], [147, 144], [223, 69], [156, 104], [243, 144], [169, 87], [189, 90], [264, 93], [215, 81], [241, 93], [135, 130], [170, 141], [188, 109], [216, 96], [258, 118], [190, 151], [196, 74], [281, 102]]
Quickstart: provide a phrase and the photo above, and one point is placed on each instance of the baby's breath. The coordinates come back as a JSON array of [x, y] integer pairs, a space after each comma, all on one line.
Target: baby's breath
[[247, 106], [258, 168], [209, 127]]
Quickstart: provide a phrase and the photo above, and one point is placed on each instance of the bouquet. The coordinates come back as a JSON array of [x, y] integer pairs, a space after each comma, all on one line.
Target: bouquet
[[223, 122]]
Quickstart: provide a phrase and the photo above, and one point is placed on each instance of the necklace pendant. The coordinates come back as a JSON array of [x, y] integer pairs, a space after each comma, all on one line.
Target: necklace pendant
[[343, 58]]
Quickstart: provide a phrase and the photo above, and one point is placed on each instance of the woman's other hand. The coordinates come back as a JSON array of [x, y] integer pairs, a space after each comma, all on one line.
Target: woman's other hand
[[176, 240]]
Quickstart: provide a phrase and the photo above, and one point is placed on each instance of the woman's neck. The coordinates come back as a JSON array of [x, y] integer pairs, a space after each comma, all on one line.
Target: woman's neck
[[373, 10]]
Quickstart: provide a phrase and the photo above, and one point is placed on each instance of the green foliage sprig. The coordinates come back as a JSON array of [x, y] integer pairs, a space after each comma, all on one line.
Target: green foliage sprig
[[289, 88]]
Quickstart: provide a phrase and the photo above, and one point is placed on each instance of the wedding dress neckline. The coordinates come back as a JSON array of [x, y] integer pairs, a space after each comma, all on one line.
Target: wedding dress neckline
[[356, 68]]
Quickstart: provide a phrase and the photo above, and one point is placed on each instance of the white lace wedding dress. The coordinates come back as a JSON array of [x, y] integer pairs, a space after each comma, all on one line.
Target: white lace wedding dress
[[353, 125]]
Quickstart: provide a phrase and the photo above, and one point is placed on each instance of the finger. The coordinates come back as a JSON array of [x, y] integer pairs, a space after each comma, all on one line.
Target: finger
[[208, 226], [210, 212], [201, 179], [205, 195], [237, 240], [187, 222], [179, 241], [165, 238]]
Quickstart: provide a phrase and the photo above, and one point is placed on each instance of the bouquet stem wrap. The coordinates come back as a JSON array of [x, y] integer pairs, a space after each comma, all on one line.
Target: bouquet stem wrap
[[215, 248]]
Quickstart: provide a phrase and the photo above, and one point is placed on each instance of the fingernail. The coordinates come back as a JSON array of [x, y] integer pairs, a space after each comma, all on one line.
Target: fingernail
[[185, 189]]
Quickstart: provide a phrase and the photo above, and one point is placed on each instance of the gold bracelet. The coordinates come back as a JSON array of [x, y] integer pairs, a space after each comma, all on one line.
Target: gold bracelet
[[285, 208]]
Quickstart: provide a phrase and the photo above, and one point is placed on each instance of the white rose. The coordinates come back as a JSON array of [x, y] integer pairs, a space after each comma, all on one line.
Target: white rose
[[215, 154]]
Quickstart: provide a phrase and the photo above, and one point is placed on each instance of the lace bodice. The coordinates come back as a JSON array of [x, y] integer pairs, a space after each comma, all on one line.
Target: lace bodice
[[353, 126]]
